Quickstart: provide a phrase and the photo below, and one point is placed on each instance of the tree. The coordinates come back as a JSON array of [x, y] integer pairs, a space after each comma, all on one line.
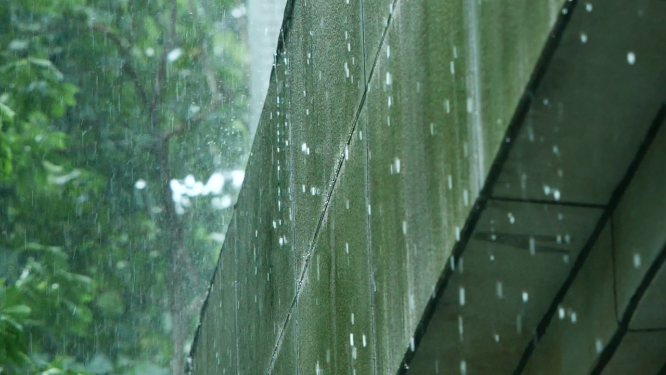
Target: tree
[[103, 105]]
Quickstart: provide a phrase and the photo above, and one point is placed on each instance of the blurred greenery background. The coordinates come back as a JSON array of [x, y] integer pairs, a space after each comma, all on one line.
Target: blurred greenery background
[[123, 136]]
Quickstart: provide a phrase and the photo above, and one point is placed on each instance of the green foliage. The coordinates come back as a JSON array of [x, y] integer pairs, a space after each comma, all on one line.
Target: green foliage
[[95, 95]]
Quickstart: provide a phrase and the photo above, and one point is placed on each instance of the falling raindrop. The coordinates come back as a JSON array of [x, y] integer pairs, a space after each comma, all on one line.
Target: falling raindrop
[[499, 290], [140, 184], [532, 246], [461, 329], [174, 54], [599, 346], [631, 58]]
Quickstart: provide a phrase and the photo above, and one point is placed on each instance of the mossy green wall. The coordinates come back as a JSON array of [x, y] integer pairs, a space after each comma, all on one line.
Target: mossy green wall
[[381, 122]]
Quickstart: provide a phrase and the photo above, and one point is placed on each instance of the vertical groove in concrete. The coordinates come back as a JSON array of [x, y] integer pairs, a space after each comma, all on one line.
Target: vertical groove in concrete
[[235, 262], [292, 222], [478, 150], [366, 195]]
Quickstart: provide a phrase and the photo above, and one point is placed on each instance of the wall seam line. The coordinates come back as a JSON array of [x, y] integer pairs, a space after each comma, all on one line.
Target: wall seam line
[[605, 218], [332, 184], [368, 234], [511, 133], [608, 352]]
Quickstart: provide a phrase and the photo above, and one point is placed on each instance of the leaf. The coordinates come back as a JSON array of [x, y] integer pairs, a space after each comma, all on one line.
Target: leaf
[[111, 303], [55, 250], [6, 112], [57, 140], [13, 323], [43, 63], [17, 310], [52, 168], [52, 371], [17, 45], [82, 279], [69, 91]]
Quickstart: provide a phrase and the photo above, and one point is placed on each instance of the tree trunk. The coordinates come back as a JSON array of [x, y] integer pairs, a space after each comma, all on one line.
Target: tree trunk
[[180, 266]]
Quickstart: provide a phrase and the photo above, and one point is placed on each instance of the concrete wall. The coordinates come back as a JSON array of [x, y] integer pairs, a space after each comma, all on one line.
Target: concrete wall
[[379, 128]]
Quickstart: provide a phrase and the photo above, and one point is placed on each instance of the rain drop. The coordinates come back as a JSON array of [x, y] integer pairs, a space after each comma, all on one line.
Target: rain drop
[[140, 184], [461, 330], [599, 345], [532, 246], [631, 58]]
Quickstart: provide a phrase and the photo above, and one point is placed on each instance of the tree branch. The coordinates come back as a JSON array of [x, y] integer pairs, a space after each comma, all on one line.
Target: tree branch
[[128, 63], [189, 123], [161, 73], [216, 98]]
